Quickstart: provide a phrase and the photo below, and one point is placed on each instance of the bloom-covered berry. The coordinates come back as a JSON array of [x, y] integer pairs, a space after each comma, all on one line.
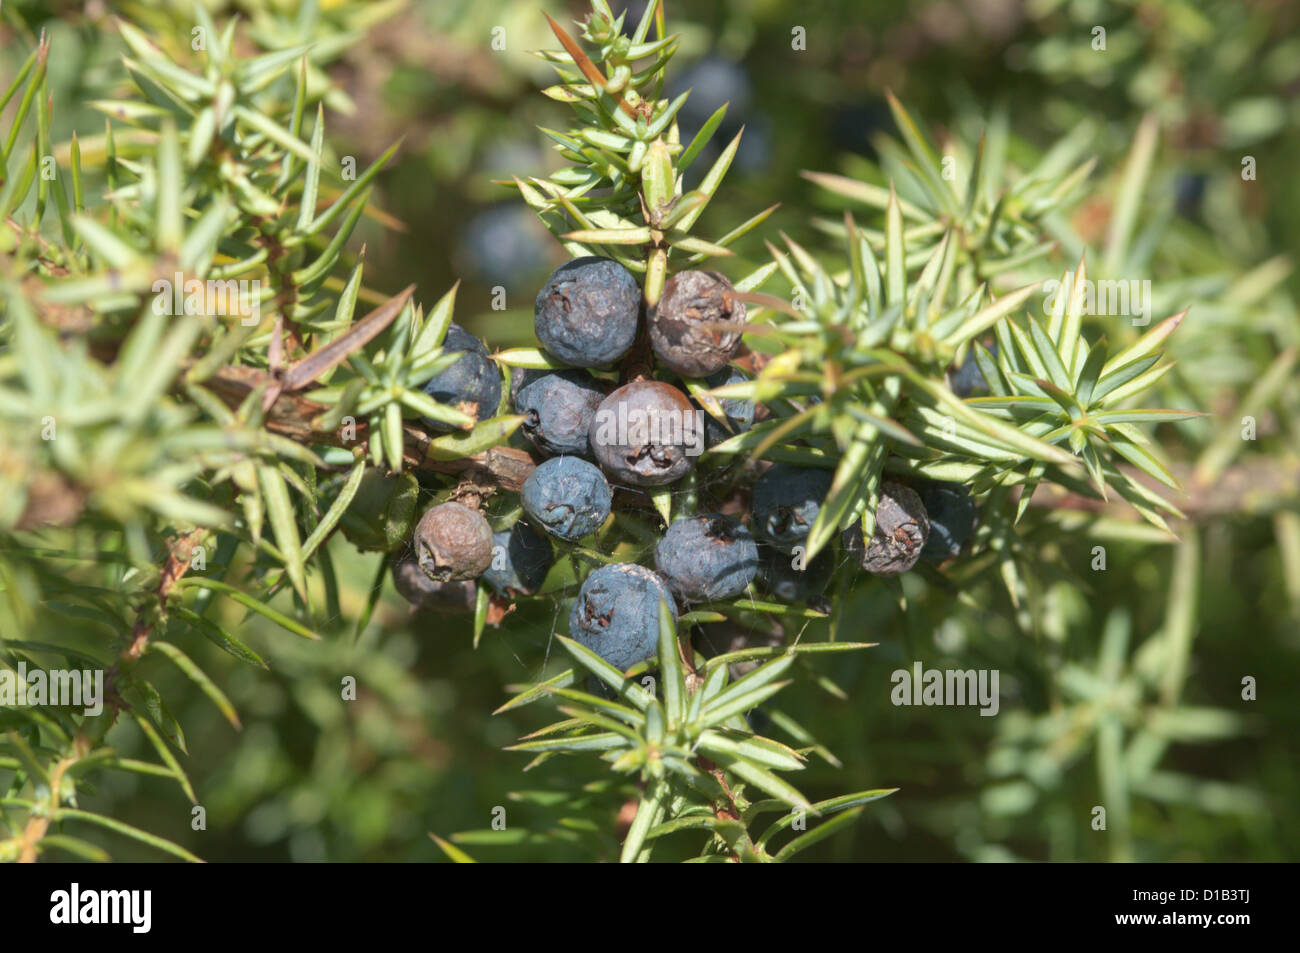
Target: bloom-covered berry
[[902, 528], [425, 594], [568, 497], [647, 433], [472, 384], [616, 614], [453, 542], [951, 510], [558, 407], [695, 328], [739, 412], [587, 312], [706, 558], [789, 578], [786, 502], [521, 557]]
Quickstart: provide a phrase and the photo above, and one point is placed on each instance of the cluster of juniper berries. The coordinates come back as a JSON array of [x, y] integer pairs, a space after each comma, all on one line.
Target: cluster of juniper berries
[[620, 420]]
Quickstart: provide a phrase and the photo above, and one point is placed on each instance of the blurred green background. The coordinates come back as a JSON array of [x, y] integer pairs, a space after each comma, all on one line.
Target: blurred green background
[[313, 779]]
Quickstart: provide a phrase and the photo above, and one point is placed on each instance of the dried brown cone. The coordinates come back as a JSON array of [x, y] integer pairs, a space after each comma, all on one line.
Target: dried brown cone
[[453, 542], [642, 434], [691, 326], [902, 527]]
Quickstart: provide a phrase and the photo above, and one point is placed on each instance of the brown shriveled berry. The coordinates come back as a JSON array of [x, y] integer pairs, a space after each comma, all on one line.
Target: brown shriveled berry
[[902, 528], [647, 433], [689, 327], [453, 542]]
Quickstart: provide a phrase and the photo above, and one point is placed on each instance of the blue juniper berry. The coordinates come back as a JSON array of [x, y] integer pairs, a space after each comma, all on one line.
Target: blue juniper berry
[[559, 408], [521, 557], [588, 311], [616, 614], [472, 384], [567, 496], [786, 502], [707, 558], [951, 510]]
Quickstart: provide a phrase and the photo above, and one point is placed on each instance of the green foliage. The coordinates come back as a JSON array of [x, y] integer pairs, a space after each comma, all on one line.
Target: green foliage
[[624, 186], [146, 355]]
